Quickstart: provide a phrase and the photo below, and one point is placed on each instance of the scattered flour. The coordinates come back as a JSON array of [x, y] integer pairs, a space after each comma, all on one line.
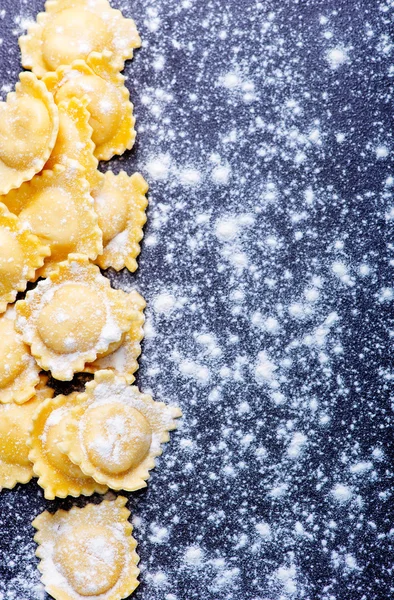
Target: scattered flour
[[265, 135]]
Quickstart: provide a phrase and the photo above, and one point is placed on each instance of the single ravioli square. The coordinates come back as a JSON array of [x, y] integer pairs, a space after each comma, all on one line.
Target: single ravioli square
[[88, 552]]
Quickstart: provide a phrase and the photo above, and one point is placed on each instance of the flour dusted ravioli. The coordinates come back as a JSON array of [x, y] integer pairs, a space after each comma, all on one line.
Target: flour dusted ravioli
[[109, 105], [72, 29], [116, 432], [58, 208], [21, 254], [58, 476], [120, 204], [74, 140], [122, 357], [29, 125], [72, 316], [88, 552], [15, 422], [19, 372]]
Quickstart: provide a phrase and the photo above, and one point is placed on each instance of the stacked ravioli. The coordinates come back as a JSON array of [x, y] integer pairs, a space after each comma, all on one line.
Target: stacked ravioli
[[61, 221]]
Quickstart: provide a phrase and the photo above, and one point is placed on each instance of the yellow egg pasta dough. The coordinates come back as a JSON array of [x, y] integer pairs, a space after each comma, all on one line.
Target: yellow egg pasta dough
[[121, 204], [29, 124], [15, 422], [111, 112], [21, 254], [57, 207], [57, 475], [88, 552], [116, 432], [74, 141], [61, 221], [122, 357], [72, 316], [71, 29], [19, 372]]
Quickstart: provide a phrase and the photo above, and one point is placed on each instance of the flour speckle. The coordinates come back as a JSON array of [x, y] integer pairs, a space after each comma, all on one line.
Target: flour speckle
[[342, 493], [221, 175], [337, 57], [194, 556]]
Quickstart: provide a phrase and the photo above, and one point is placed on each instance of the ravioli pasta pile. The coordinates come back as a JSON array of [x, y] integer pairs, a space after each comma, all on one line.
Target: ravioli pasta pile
[[61, 220]]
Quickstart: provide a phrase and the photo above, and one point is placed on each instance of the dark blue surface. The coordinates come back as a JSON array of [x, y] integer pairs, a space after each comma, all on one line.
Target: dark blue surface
[[307, 206]]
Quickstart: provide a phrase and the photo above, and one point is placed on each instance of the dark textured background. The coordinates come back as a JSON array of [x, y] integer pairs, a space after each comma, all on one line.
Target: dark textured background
[[279, 484]]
